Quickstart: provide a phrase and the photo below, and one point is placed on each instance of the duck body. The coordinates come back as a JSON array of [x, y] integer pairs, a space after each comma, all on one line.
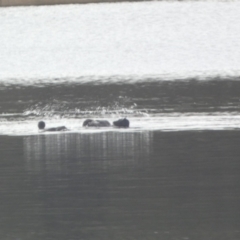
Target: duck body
[[122, 123], [96, 123], [41, 126], [56, 129]]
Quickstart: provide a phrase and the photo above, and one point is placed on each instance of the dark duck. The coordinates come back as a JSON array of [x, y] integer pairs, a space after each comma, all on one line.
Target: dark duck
[[96, 123], [41, 126], [121, 123]]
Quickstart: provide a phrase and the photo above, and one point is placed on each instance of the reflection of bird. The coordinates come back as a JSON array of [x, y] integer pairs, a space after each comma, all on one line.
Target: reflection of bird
[[96, 123], [41, 126], [124, 123]]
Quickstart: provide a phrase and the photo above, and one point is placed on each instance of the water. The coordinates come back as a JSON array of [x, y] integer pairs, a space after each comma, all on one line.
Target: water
[[170, 39], [145, 185], [171, 68], [150, 105]]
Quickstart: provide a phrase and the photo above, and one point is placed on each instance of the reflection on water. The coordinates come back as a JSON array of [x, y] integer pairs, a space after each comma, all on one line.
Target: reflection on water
[[56, 153], [121, 185]]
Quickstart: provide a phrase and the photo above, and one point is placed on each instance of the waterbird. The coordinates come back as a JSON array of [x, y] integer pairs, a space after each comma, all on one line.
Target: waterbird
[[41, 126], [96, 123], [121, 123]]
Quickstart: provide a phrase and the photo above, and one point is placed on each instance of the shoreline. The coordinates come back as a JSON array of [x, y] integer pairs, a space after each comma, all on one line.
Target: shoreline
[[12, 3]]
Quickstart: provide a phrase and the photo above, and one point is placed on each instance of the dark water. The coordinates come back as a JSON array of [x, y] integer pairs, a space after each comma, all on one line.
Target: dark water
[[189, 95], [147, 184]]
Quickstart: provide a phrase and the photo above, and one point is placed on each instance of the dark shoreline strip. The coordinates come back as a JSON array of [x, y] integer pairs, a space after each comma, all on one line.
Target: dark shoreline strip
[[10, 3]]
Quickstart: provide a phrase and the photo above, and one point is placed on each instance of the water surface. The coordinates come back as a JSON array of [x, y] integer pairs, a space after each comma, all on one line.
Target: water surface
[[159, 185], [170, 39], [171, 68]]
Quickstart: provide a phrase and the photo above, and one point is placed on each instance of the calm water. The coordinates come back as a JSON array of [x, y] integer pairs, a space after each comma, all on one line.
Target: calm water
[[172, 70], [142, 185]]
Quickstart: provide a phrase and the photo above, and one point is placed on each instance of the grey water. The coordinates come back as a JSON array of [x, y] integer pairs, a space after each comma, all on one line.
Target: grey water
[[171, 68], [145, 182]]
